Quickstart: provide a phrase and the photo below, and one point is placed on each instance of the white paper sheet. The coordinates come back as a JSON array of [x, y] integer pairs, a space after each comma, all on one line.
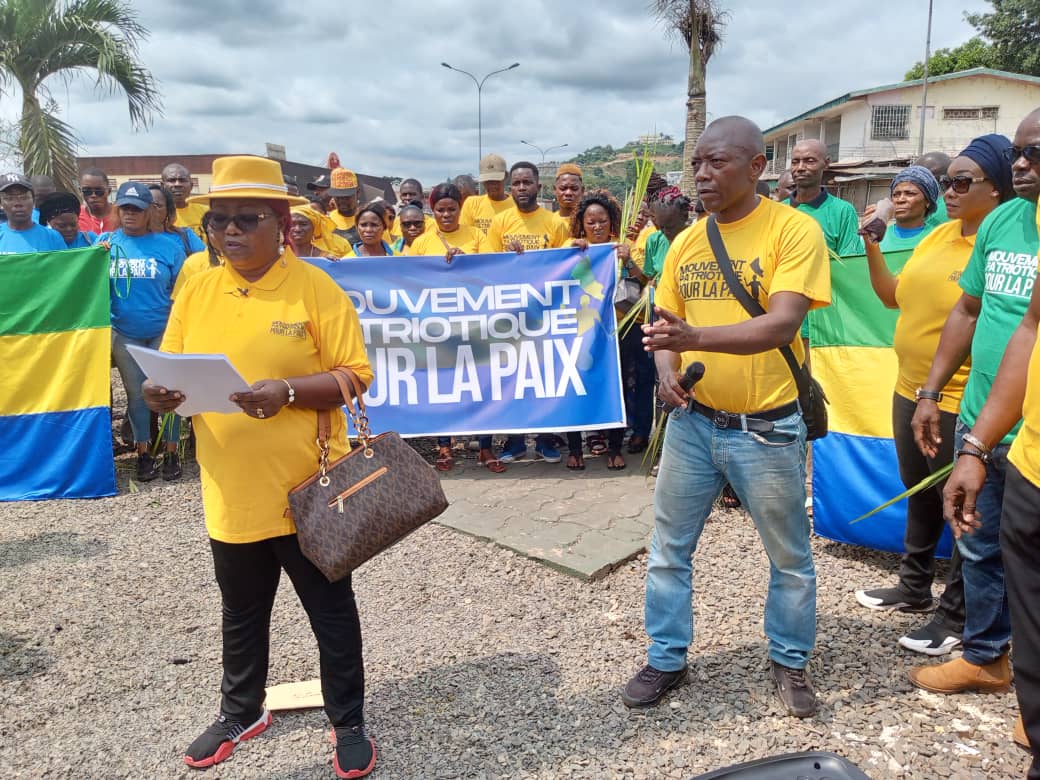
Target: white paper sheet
[[205, 380]]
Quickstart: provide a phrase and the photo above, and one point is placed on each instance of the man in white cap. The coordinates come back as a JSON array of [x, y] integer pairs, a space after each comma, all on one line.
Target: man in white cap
[[479, 210]]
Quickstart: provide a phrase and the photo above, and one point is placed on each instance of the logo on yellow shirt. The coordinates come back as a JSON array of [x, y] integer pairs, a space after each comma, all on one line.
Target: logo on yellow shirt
[[296, 330], [955, 276]]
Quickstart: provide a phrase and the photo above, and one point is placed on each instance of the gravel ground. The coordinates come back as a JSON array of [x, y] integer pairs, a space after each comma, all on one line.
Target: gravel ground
[[480, 663]]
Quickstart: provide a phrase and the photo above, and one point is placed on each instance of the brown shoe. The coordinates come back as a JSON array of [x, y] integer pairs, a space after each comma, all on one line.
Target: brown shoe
[[1019, 734], [958, 675]]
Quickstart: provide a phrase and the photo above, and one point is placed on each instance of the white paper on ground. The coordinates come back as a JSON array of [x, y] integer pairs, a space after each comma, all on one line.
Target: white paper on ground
[[205, 380]]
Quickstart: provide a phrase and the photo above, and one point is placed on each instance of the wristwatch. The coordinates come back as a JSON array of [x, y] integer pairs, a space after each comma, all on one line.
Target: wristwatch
[[928, 395]]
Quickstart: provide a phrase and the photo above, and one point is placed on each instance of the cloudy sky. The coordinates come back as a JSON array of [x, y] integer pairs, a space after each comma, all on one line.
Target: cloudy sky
[[364, 79]]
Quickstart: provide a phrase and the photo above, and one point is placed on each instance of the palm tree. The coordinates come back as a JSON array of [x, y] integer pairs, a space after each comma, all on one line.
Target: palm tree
[[698, 23], [44, 38]]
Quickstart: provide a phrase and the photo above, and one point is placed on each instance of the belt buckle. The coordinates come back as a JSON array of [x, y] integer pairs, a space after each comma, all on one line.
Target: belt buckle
[[721, 419]]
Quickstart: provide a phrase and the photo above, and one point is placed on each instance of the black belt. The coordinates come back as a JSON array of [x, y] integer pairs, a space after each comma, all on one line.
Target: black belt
[[759, 422]]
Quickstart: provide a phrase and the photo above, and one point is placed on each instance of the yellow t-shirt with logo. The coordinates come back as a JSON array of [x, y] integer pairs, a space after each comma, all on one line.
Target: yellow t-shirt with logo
[[479, 210], [191, 217], [467, 238], [294, 321], [194, 264], [1025, 449], [538, 229], [928, 289], [774, 249]]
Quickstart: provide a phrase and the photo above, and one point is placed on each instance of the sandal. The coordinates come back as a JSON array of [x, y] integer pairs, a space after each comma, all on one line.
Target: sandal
[[445, 461], [730, 499], [576, 462], [596, 443], [492, 464], [637, 444], [614, 460]]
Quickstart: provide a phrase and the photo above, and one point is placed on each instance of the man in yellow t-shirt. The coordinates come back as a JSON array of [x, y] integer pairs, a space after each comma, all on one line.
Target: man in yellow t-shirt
[[569, 189], [527, 225], [743, 423], [479, 210], [1014, 396], [344, 190], [177, 179]]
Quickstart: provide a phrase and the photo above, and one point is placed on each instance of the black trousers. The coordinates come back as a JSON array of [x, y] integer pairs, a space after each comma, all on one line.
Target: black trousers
[[1020, 549], [924, 516], [248, 576]]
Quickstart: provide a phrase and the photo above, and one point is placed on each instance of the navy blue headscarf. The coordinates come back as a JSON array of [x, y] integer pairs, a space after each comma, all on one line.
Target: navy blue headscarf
[[987, 151]]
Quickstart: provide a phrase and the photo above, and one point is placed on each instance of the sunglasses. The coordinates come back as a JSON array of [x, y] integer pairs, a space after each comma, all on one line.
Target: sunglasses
[[87, 191], [411, 224], [1031, 153], [959, 184], [246, 223]]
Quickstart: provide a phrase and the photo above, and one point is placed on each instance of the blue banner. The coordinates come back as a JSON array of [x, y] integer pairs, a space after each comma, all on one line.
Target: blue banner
[[491, 343]]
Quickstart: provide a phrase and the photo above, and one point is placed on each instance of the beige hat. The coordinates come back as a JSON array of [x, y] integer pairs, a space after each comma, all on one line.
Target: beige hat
[[492, 168]]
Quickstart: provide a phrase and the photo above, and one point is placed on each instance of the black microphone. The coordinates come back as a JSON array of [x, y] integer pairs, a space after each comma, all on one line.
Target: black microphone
[[693, 374]]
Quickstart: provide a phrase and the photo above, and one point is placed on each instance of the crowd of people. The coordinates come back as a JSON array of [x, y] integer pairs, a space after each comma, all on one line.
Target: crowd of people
[[195, 273]]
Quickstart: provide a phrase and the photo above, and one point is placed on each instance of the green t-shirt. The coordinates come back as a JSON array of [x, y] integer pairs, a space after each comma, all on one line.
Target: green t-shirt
[[896, 240], [839, 221], [938, 216], [1001, 272], [657, 244]]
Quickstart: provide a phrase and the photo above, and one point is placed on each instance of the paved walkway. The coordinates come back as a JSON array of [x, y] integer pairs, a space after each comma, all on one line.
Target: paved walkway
[[584, 523]]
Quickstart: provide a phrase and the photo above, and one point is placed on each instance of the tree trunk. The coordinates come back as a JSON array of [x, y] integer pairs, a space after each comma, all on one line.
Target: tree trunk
[[696, 114], [47, 145]]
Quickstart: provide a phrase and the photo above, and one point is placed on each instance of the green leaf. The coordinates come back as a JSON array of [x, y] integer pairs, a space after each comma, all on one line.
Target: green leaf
[[925, 484]]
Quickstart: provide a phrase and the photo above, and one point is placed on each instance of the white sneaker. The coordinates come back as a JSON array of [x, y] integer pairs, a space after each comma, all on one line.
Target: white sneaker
[[931, 639]]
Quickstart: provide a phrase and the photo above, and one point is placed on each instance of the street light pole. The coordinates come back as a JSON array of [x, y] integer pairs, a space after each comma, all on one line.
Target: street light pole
[[480, 89], [542, 151]]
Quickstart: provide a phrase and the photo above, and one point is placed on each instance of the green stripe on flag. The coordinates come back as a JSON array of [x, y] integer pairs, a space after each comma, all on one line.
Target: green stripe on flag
[[856, 317], [47, 292]]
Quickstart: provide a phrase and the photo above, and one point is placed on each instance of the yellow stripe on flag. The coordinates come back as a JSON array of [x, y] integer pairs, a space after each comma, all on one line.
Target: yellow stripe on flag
[[55, 372], [858, 382]]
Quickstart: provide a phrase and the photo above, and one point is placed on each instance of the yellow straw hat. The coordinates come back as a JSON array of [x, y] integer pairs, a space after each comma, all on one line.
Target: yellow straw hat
[[247, 177]]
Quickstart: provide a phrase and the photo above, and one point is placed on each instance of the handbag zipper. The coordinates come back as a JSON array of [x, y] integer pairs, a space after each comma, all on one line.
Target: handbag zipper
[[338, 500]]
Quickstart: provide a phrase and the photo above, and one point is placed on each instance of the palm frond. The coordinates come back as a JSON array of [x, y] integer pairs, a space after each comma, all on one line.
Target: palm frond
[[693, 21], [925, 484], [47, 145]]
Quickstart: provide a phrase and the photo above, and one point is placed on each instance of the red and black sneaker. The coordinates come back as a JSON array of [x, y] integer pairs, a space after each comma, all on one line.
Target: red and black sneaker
[[217, 742], [355, 754]]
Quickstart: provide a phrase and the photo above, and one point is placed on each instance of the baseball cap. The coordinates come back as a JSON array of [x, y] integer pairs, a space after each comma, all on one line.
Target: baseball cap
[[321, 183], [492, 168], [342, 182], [133, 193], [15, 180]]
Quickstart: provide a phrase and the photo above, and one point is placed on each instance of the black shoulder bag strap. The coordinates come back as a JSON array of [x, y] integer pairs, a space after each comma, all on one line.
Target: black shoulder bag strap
[[753, 307]]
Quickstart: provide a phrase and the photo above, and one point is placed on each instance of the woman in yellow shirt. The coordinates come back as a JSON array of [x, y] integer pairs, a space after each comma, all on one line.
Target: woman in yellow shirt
[[413, 223], [208, 258], [311, 235], [371, 225], [448, 237], [284, 324], [925, 292]]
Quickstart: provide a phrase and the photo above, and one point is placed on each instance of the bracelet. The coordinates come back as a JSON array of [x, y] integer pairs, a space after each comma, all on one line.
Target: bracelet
[[928, 395], [292, 393], [983, 456], [976, 442]]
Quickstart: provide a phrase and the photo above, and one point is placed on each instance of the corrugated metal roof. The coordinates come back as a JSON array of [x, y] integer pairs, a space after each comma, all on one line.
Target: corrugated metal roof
[[857, 94]]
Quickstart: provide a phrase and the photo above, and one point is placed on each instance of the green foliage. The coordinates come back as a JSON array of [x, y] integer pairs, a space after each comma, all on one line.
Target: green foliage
[[975, 53], [44, 38], [1013, 30]]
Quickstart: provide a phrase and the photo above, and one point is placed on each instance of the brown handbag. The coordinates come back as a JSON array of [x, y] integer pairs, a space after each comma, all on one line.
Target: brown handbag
[[368, 500]]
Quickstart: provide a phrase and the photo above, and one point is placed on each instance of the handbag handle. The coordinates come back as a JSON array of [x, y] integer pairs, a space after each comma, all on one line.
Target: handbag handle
[[751, 306], [351, 390]]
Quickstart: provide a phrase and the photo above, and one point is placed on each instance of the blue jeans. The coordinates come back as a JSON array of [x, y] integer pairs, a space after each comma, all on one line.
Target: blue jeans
[[133, 377], [768, 473], [987, 622]]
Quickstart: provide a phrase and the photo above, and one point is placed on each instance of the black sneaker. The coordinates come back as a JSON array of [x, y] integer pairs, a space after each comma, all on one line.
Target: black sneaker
[[650, 684], [171, 466], [893, 598], [217, 742], [933, 638], [795, 689], [147, 467], [355, 754]]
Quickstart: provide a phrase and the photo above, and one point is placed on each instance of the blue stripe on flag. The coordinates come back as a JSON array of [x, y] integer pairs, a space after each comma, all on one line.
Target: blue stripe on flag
[[852, 475], [57, 455]]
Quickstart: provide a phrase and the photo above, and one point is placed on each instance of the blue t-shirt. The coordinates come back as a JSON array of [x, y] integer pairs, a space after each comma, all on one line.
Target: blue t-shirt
[[142, 272], [193, 241], [35, 238], [84, 238]]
